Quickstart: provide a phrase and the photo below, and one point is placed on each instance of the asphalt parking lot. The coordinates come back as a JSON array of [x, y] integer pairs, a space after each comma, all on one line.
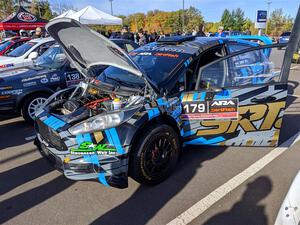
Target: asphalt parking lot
[[31, 192]]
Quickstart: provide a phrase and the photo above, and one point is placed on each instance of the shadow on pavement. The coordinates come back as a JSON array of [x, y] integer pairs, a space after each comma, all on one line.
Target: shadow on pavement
[[292, 85], [22, 174], [18, 204], [14, 132], [290, 126], [248, 210], [147, 201]]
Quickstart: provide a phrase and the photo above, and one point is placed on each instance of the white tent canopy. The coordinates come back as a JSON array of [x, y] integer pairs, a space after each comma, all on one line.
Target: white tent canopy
[[92, 16], [66, 14]]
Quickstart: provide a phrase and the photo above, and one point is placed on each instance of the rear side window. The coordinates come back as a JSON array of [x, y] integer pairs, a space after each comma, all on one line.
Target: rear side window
[[258, 66]]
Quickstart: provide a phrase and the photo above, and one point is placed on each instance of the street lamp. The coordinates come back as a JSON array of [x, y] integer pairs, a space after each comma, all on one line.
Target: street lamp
[[183, 16], [268, 14], [111, 7]]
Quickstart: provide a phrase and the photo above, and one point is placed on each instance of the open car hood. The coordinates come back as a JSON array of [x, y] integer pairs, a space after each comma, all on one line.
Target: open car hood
[[86, 48]]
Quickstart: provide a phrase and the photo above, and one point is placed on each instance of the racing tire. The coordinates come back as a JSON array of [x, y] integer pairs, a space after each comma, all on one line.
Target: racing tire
[[31, 104], [155, 154]]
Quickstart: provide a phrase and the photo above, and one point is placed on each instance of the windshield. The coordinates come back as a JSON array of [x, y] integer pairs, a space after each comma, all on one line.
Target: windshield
[[53, 58], [286, 34], [114, 75], [158, 65], [5, 45], [21, 50]]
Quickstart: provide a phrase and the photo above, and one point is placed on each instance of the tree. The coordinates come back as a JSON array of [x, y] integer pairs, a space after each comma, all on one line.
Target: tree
[[278, 23], [238, 19], [6, 8], [41, 8], [226, 19]]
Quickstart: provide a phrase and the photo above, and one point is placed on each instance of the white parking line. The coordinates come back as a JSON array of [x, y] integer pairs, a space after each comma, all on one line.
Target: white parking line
[[295, 67], [205, 203], [30, 138], [297, 96]]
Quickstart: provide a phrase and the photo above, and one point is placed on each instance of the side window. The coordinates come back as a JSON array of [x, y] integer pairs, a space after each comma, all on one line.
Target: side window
[[129, 47], [207, 57], [42, 48], [260, 66]]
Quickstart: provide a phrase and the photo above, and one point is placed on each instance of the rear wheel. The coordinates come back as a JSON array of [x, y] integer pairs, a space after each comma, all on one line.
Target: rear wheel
[[31, 105], [155, 155]]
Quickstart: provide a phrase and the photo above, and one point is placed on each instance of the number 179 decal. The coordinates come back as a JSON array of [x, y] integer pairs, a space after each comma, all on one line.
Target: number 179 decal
[[210, 110]]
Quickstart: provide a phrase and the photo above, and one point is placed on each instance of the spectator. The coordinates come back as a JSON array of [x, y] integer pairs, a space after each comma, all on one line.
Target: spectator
[[200, 32], [125, 34], [220, 32], [194, 32], [142, 37], [38, 33], [23, 33], [109, 34]]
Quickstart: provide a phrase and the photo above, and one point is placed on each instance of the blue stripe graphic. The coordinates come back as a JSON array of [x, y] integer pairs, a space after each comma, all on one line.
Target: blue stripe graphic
[[54, 123], [116, 140], [102, 179]]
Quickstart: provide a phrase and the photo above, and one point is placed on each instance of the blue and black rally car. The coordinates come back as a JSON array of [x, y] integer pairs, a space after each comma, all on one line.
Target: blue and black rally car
[[133, 112]]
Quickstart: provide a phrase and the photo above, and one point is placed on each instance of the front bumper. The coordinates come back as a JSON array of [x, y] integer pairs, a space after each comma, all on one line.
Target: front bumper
[[108, 170], [8, 106]]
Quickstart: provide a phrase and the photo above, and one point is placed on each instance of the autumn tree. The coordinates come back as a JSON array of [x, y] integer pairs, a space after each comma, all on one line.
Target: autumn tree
[[6, 8], [41, 8], [278, 23]]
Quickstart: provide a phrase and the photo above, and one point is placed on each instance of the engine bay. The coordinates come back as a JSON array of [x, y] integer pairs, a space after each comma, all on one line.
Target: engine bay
[[90, 99]]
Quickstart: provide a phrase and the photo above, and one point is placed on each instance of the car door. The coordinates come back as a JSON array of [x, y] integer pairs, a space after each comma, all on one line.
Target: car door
[[238, 100]]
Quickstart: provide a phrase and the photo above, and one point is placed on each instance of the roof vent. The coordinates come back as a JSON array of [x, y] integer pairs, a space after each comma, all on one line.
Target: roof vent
[[175, 39]]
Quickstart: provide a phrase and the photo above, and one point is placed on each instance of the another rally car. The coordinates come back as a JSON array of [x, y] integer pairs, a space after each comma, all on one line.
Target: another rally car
[[11, 45], [26, 89], [133, 113], [25, 54]]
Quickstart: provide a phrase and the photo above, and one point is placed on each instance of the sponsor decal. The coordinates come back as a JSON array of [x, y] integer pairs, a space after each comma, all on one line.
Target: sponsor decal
[[168, 55], [268, 114], [6, 66], [90, 148], [33, 78], [29, 84], [55, 78], [210, 110], [145, 53], [26, 17], [12, 92], [5, 88], [44, 80]]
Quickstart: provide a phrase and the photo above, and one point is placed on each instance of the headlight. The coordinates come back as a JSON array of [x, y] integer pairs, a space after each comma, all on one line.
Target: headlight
[[100, 122]]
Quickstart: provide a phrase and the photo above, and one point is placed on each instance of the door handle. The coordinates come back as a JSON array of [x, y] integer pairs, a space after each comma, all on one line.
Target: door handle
[[264, 99]]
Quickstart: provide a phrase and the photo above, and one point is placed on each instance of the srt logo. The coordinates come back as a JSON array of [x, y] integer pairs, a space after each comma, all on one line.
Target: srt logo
[[223, 103]]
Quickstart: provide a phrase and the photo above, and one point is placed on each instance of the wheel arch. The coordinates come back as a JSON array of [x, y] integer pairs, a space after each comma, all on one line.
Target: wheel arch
[[161, 119], [23, 97]]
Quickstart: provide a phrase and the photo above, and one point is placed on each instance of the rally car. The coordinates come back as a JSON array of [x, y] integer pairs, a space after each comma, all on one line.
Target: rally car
[[11, 45], [134, 112], [26, 89], [25, 54]]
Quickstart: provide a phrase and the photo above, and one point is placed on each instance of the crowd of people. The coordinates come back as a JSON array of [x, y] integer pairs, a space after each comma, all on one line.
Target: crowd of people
[[142, 37]]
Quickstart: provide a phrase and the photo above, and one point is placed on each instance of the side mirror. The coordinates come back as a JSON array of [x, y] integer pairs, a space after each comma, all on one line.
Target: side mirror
[[33, 55]]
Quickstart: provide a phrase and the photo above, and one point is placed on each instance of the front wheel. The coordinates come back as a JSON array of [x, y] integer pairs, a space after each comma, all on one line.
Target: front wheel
[[155, 155], [31, 105]]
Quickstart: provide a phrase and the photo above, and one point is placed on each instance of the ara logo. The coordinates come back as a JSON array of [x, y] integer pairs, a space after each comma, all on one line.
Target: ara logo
[[223, 103]]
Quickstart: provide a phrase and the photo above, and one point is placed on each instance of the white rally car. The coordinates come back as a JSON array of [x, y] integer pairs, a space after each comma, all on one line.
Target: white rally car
[[25, 54]]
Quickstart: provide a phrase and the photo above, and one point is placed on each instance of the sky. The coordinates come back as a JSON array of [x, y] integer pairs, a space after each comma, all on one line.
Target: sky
[[210, 9]]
